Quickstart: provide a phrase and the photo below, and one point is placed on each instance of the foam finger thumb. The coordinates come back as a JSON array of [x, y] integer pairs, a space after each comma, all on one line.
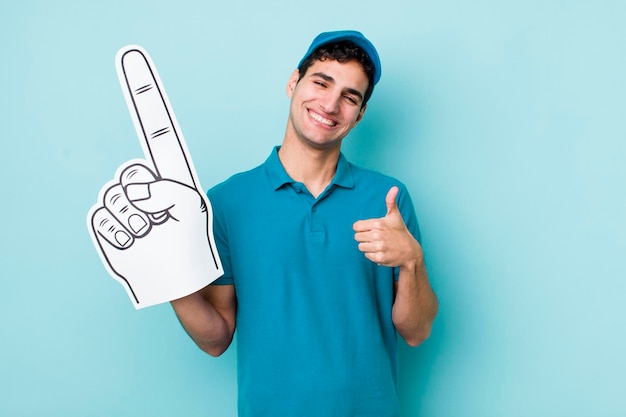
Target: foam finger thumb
[[164, 195]]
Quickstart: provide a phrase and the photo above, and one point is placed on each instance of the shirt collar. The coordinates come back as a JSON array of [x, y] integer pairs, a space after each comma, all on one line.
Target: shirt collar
[[279, 177], [343, 176]]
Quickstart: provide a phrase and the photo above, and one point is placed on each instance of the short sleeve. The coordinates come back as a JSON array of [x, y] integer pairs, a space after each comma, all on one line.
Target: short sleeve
[[221, 239]]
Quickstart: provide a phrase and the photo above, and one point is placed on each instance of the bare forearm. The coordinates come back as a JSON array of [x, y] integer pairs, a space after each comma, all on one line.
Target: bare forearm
[[415, 305], [209, 328]]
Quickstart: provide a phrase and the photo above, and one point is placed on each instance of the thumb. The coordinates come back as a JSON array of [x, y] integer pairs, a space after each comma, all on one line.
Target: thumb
[[390, 200]]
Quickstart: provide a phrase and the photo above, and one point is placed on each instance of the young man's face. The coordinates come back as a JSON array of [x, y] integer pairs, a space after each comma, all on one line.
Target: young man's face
[[326, 103]]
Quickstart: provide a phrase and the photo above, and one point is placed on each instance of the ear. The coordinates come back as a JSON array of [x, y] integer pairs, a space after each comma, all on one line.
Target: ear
[[293, 80], [361, 113]]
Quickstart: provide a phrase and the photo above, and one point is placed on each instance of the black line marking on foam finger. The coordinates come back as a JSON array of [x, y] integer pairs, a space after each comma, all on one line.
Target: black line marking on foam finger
[[160, 132], [143, 89]]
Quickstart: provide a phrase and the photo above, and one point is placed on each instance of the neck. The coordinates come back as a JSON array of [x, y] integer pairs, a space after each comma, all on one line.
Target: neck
[[315, 168]]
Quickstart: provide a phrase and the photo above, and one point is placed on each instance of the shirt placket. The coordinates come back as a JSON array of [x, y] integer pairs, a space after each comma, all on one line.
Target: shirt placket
[[316, 231]]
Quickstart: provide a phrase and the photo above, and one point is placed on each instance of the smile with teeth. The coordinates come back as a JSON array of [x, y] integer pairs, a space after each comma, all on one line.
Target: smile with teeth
[[321, 119]]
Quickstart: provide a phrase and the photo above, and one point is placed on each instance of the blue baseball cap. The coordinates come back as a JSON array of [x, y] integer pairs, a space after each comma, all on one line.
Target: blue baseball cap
[[346, 35]]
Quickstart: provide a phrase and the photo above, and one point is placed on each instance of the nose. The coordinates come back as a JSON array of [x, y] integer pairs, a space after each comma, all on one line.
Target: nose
[[330, 102]]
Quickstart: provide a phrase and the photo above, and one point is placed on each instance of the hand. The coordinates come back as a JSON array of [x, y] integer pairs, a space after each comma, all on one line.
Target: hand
[[152, 225], [387, 241]]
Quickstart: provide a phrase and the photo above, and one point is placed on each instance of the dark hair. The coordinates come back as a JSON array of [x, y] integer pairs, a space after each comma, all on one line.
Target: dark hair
[[343, 51]]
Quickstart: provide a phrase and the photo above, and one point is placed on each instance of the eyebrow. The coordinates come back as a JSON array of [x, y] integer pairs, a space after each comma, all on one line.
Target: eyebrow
[[330, 79]]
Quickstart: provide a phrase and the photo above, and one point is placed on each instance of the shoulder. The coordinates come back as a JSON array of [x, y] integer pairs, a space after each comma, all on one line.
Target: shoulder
[[237, 183], [374, 186], [365, 178]]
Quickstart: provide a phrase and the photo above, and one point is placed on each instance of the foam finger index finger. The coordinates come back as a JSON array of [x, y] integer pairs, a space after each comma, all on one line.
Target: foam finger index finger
[[153, 117]]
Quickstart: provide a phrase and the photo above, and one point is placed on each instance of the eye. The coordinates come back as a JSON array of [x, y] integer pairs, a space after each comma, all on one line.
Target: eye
[[320, 83], [351, 100]]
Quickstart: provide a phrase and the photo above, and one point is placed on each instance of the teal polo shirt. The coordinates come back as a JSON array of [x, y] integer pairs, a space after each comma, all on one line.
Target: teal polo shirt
[[314, 330]]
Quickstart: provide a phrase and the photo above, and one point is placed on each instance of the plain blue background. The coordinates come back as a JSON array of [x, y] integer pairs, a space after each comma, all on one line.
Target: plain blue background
[[505, 119]]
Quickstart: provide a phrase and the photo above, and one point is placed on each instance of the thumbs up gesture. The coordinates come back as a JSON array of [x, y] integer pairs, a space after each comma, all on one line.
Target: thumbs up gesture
[[386, 240]]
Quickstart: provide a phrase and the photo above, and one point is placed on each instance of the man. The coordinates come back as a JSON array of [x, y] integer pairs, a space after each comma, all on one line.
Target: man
[[321, 258]]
